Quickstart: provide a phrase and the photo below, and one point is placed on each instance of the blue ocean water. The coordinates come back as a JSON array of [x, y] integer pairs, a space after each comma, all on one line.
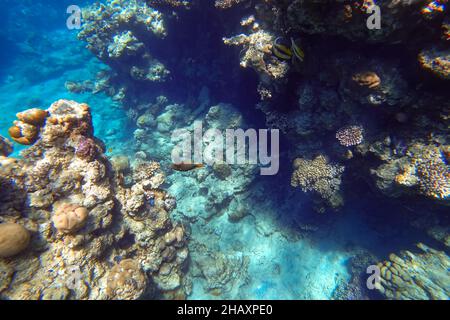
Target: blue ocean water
[[288, 250]]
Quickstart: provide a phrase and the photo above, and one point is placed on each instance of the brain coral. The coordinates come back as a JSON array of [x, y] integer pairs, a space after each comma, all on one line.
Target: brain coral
[[13, 239], [69, 217], [126, 281]]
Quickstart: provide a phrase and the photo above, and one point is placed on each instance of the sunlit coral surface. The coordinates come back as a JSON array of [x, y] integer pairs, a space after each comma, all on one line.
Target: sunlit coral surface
[[92, 94]]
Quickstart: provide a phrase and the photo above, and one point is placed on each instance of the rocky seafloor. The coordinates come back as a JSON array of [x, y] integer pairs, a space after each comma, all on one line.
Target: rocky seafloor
[[90, 207]]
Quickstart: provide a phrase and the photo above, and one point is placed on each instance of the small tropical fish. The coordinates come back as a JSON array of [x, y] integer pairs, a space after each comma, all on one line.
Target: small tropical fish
[[284, 52], [186, 166], [151, 201], [281, 51], [110, 150], [298, 53]]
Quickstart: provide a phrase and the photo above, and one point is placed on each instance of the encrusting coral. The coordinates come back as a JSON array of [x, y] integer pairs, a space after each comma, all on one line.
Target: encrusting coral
[[83, 198]]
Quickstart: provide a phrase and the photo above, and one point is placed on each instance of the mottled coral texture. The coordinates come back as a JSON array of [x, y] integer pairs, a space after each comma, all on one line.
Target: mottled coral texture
[[51, 188]]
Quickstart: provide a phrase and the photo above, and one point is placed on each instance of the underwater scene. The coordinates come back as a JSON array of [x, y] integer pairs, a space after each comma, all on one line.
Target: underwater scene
[[225, 149]]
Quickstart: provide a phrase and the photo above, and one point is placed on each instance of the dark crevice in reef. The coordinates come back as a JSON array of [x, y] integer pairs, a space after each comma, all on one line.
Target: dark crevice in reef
[[194, 53]]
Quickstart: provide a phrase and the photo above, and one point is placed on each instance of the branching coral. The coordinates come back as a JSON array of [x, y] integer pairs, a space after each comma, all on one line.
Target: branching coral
[[225, 4], [257, 53], [319, 176], [420, 169]]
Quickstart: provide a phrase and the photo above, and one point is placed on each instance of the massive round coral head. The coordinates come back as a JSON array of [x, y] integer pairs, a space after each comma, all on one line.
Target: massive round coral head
[[23, 133], [14, 238], [126, 281], [69, 218]]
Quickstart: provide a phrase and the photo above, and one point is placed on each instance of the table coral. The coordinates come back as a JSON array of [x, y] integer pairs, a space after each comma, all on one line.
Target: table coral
[[51, 177], [368, 79]]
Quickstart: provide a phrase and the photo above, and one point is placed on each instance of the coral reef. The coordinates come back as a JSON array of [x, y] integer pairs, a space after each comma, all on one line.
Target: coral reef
[[356, 82], [422, 276], [118, 33], [69, 217], [422, 169], [6, 147], [319, 176], [436, 61], [83, 198], [26, 128], [350, 135]]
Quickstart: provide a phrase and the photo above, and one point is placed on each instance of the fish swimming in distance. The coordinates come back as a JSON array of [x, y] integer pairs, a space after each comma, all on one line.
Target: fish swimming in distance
[[183, 166]]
